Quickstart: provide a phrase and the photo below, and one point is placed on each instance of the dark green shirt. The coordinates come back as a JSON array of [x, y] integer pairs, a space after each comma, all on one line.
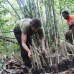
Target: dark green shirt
[[68, 36], [24, 26]]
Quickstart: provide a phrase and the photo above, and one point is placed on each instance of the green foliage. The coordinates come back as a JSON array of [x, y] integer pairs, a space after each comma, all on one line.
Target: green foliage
[[29, 9], [0, 66], [1, 1]]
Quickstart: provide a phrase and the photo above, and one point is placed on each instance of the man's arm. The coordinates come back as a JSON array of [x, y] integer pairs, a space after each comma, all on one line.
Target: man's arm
[[43, 45], [41, 36], [23, 39]]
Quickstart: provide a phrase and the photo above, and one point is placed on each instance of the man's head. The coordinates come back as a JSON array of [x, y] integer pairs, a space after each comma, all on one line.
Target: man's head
[[65, 14], [35, 24], [72, 25]]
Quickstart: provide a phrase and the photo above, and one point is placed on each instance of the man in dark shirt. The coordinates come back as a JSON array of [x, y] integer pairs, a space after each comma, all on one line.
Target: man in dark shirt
[[68, 44], [23, 31], [69, 36]]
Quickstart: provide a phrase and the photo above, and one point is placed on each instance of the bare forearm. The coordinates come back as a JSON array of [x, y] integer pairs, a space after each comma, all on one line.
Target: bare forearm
[[43, 46], [42, 43], [25, 47]]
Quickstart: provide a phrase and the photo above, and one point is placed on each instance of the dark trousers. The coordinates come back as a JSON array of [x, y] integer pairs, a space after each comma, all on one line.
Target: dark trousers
[[24, 54]]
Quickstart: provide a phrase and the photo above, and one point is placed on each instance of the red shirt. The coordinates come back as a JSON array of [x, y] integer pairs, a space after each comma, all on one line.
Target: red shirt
[[71, 17]]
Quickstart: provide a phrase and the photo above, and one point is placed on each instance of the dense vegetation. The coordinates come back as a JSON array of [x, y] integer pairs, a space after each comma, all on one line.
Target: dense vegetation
[[49, 11]]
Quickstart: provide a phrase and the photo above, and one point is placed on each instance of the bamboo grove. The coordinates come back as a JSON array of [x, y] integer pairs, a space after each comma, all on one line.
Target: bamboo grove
[[48, 11]]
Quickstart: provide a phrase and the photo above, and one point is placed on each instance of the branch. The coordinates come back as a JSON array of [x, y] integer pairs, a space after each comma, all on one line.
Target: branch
[[13, 9], [19, 4], [8, 10], [6, 39]]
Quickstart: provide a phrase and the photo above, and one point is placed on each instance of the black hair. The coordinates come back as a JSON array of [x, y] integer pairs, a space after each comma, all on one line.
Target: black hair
[[65, 12], [35, 23], [70, 27], [71, 24]]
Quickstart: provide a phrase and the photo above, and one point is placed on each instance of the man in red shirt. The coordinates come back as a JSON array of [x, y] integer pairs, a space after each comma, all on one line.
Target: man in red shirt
[[67, 17]]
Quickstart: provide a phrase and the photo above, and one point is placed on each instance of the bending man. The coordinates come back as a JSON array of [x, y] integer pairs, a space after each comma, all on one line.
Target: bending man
[[23, 31]]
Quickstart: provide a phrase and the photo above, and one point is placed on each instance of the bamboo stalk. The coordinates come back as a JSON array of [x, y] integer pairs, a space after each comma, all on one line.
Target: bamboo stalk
[[9, 11], [33, 59], [57, 49], [32, 56], [13, 9], [19, 3], [42, 57], [35, 52], [49, 53], [66, 51], [38, 50], [38, 54]]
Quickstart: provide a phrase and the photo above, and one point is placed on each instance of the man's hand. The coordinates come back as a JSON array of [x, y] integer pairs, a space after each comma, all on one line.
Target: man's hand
[[30, 55], [44, 51]]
